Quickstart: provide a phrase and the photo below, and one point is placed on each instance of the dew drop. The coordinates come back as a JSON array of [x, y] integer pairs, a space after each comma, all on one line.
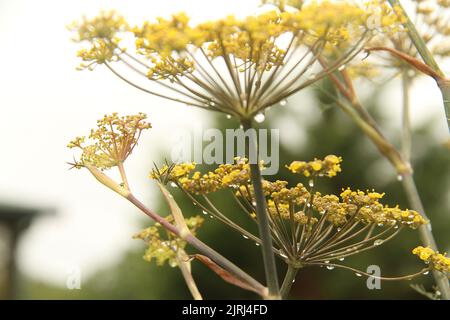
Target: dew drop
[[400, 177], [172, 264], [308, 205], [260, 117], [254, 203], [204, 212], [228, 116], [293, 281], [173, 185], [358, 274], [212, 217], [330, 267], [342, 67], [426, 272], [395, 227], [311, 183], [327, 261], [378, 242], [257, 244], [244, 236], [341, 259], [283, 102]]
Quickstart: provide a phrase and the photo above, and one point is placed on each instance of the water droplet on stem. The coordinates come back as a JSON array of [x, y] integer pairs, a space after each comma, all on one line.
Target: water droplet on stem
[[378, 242], [260, 117]]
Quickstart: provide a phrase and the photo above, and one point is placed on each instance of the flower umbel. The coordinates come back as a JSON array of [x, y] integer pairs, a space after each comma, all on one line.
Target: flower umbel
[[163, 245], [435, 260], [111, 142], [329, 167], [235, 66], [307, 228]]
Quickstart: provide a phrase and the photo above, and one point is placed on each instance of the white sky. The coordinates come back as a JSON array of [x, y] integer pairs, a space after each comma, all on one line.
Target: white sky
[[44, 103]]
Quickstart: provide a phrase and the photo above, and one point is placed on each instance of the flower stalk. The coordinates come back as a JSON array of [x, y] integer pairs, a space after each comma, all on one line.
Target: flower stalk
[[354, 110], [288, 281], [263, 220], [410, 188]]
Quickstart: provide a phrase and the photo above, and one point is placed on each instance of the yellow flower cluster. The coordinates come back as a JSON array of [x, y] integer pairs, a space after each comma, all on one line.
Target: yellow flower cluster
[[370, 210], [283, 211], [111, 142], [165, 35], [285, 201], [162, 245], [436, 260], [173, 173], [367, 208], [234, 175], [252, 39], [226, 175], [297, 195], [336, 211], [99, 53], [360, 198], [329, 167], [105, 26], [170, 68], [269, 187]]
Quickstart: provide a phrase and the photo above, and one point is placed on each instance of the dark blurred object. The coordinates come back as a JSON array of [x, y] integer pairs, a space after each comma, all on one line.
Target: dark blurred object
[[14, 221]]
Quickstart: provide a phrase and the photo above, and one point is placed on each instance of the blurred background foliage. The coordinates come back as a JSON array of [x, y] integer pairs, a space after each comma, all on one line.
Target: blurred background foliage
[[310, 126]]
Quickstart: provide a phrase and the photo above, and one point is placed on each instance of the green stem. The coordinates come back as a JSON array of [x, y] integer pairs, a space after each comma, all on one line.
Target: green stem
[[406, 123], [289, 279], [410, 188], [444, 86], [263, 220], [185, 267], [425, 232]]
